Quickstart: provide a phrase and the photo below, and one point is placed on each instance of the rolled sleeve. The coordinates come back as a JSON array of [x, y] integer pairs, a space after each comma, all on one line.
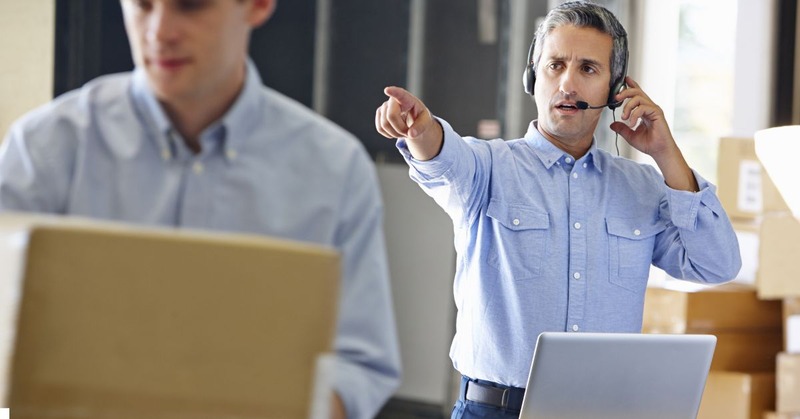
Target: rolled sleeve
[[685, 206], [702, 245]]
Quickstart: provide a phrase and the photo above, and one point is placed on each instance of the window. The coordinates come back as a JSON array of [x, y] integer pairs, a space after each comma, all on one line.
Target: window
[[709, 66], [703, 109]]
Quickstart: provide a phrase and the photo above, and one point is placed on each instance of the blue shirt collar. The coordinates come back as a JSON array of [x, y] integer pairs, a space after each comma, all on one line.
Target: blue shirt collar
[[549, 154], [237, 121]]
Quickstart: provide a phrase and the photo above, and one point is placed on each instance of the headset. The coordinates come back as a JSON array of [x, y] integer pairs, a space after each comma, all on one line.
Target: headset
[[529, 79]]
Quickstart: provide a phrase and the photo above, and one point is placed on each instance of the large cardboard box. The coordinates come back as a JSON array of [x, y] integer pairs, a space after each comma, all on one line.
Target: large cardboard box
[[779, 251], [116, 321], [746, 352], [749, 331], [788, 383], [735, 395], [724, 308], [744, 188]]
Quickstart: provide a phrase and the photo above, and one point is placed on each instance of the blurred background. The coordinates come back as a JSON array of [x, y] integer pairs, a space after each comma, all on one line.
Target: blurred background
[[718, 68]]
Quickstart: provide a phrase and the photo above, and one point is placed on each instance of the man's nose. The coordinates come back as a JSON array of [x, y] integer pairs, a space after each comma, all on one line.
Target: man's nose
[[568, 81], [162, 25]]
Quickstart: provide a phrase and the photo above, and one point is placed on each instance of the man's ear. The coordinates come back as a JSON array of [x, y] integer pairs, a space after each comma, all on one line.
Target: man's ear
[[261, 11]]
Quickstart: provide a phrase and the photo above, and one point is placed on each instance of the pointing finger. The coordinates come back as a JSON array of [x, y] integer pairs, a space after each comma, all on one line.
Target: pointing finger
[[406, 100]]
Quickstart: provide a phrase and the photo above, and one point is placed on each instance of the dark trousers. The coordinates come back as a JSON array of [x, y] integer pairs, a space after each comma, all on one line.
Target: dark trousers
[[467, 409]]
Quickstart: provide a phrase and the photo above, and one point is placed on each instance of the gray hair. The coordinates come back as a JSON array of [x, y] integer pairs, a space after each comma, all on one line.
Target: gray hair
[[585, 14]]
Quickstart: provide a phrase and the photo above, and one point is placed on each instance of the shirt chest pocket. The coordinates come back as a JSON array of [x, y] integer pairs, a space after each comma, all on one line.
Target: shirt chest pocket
[[518, 239], [630, 250]]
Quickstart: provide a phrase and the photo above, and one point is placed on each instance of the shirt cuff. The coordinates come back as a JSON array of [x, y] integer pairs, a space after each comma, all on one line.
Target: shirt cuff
[[685, 205], [439, 165], [363, 389]]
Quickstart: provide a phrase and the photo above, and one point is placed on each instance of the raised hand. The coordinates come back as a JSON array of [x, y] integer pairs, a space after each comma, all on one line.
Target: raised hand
[[403, 115], [645, 129]]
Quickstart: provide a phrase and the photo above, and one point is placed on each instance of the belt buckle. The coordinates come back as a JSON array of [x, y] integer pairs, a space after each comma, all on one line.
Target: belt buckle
[[504, 398]]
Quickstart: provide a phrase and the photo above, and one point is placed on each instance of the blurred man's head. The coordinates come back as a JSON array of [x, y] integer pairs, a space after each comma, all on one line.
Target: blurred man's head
[[193, 49]]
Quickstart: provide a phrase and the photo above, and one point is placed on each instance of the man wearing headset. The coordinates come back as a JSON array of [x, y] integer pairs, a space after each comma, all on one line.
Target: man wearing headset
[[553, 233], [192, 139]]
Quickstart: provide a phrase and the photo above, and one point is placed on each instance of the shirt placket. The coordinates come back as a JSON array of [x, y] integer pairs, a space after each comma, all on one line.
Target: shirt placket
[[195, 202], [577, 272]]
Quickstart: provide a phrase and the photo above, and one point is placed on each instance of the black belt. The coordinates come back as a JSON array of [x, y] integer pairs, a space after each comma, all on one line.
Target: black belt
[[492, 394]]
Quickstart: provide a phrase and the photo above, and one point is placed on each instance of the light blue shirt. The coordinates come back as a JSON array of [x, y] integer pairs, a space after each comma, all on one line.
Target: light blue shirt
[[547, 243], [269, 166]]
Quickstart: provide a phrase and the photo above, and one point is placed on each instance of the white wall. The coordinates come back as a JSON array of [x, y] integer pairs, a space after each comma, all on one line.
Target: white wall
[[419, 240], [754, 68], [27, 29]]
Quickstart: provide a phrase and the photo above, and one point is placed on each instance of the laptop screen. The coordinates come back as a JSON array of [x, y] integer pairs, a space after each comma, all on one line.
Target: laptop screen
[[617, 375]]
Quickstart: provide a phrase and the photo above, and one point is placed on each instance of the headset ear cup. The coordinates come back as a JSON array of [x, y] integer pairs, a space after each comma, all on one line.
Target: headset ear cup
[[528, 79], [612, 102], [620, 84]]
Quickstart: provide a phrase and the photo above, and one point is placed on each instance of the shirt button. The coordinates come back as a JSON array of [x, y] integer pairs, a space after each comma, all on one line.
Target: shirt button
[[197, 167], [576, 275], [575, 175], [585, 165], [165, 154], [575, 328], [568, 160], [577, 226], [637, 232], [231, 154], [516, 221]]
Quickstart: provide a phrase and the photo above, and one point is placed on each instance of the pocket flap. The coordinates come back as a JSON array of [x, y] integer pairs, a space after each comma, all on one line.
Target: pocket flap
[[634, 228], [518, 217]]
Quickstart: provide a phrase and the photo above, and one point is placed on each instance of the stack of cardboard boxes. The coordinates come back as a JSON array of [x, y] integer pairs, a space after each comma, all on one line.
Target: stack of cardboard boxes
[[741, 383], [788, 363], [755, 372]]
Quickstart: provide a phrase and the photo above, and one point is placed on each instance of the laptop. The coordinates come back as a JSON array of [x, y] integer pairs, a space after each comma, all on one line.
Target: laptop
[[617, 375]]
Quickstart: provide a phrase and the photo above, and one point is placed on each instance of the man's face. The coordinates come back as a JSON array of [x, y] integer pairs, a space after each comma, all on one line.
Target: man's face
[[574, 66], [189, 49]]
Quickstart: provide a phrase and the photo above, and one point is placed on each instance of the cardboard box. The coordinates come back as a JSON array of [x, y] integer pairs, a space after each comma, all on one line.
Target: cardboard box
[[117, 321], [724, 308], [744, 188], [776, 415], [788, 383], [779, 252], [746, 352], [791, 324], [791, 306], [734, 395]]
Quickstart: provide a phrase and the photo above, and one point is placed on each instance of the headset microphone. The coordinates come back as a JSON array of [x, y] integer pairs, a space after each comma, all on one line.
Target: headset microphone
[[583, 105]]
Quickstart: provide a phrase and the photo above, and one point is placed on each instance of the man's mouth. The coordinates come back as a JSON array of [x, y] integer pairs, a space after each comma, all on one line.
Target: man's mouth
[[566, 106]]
